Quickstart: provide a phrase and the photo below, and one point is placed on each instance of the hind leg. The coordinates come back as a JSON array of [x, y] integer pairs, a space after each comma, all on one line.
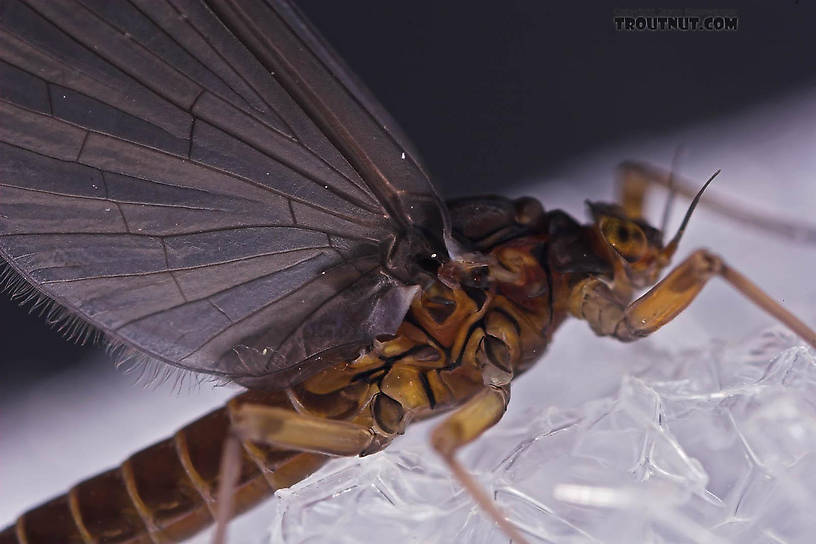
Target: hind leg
[[283, 429]]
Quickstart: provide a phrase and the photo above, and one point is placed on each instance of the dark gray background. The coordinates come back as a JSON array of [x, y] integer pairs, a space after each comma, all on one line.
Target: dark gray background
[[495, 93]]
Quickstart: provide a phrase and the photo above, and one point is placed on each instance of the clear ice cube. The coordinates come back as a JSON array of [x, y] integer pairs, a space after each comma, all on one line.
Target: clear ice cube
[[715, 445]]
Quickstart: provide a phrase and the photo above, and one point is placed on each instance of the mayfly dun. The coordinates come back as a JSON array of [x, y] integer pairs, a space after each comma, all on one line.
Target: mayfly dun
[[215, 191]]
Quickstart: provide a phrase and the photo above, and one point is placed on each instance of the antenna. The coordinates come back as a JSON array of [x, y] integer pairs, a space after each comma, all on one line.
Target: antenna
[[669, 250]]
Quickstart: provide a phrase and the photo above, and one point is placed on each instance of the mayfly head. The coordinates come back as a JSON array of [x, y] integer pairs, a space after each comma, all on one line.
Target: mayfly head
[[638, 247], [631, 243]]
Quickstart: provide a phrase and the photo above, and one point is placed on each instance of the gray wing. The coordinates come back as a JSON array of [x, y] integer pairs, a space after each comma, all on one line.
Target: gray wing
[[206, 183]]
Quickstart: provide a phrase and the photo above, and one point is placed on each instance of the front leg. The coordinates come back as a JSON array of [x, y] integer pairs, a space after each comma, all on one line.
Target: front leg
[[593, 301], [635, 179]]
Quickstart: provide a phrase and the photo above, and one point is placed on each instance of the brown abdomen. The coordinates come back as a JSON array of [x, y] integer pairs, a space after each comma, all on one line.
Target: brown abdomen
[[167, 491]]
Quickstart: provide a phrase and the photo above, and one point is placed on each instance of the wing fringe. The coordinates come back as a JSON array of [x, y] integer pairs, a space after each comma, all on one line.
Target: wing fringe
[[146, 371]]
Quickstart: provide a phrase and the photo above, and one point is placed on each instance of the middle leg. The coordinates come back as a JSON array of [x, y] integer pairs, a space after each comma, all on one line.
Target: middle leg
[[460, 428]]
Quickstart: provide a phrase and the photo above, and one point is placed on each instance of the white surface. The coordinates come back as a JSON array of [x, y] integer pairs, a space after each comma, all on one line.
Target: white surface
[[85, 421], [710, 446]]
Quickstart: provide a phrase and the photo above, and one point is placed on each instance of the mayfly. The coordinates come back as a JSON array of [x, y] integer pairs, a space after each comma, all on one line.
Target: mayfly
[[206, 185]]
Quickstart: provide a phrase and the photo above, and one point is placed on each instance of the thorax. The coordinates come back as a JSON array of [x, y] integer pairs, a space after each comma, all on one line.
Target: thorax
[[451, 343]]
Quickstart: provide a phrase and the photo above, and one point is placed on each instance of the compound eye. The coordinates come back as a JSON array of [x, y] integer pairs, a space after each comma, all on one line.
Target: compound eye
[[625, 236]]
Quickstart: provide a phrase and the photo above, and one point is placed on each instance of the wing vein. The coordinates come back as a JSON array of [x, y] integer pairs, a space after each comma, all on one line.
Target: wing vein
[[278, 299], [184, 268], [163, 310]]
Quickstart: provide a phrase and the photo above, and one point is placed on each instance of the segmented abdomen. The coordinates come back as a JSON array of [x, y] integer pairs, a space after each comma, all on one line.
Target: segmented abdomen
[[167, 491]]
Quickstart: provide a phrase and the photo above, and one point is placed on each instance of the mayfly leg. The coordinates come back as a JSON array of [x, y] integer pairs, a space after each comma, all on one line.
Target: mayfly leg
[[291, 430], [463, 426], [635, 178], [229, 473], [597, 304], [285, 429], [676, 291]]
